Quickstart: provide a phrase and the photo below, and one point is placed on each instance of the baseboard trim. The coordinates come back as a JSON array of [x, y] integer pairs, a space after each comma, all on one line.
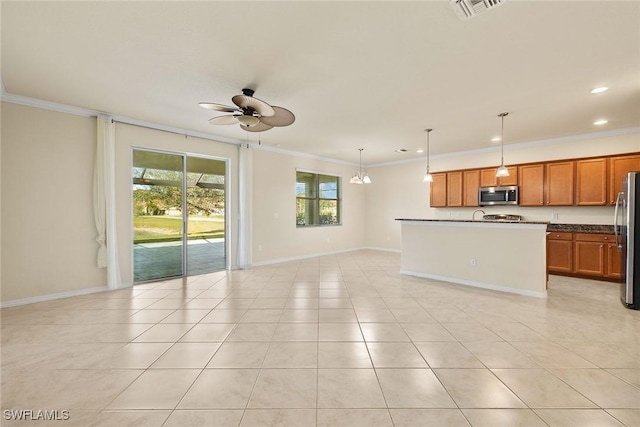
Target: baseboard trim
[[50, 297], [474, 284]]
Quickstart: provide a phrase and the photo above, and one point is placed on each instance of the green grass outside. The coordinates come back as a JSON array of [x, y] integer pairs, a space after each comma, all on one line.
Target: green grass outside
[[166, 228]]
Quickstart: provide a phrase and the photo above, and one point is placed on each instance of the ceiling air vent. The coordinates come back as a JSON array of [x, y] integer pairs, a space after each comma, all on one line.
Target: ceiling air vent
[[469, 8]]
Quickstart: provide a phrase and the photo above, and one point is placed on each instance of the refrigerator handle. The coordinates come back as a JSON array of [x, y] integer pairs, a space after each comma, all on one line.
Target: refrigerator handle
[[615, 222]]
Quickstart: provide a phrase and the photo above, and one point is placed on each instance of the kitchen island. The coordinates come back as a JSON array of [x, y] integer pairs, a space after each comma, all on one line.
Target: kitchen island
[[508, 256]]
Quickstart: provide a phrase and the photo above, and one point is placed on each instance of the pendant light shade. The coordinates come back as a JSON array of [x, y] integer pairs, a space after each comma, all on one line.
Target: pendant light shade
[[427, 176], [359, 177], [502, 170]]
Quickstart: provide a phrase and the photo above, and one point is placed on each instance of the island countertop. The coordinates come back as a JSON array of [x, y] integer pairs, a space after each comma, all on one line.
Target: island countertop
[[484, 221]]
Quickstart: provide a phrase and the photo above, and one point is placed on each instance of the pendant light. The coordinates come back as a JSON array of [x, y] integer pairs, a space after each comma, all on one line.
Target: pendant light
[[359, 178], [427, 176], [502, 170]]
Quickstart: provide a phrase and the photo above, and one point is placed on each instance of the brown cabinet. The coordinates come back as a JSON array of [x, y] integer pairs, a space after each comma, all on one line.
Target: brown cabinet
[[614, 261], [618, 168], [531, 183], [591, 182], [470, 185], [488, 177], [560, 252], [454, 189], [559, 183], [438, 193]]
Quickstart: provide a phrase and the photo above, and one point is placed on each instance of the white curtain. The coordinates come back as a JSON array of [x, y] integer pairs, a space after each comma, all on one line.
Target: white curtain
[[245, 160], [104, 201]]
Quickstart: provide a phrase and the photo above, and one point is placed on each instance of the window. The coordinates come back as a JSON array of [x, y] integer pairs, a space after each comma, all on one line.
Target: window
[[317, 199]]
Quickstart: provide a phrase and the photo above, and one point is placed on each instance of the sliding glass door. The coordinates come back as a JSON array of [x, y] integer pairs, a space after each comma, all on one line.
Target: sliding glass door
[[179, 218]]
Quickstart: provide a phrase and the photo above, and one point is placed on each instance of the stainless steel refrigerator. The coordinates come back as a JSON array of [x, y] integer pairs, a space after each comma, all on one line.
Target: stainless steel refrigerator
[[626, 225]]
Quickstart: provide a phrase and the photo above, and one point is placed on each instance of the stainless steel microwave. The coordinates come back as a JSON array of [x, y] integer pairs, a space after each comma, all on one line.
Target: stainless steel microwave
[[488, 196]]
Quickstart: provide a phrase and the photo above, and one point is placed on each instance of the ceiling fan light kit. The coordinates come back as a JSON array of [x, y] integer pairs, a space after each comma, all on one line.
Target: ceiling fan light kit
[[252, 114]]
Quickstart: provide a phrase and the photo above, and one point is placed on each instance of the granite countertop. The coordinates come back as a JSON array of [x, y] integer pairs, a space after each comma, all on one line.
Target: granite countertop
[[581, 228], [484, 221], [569, 228]]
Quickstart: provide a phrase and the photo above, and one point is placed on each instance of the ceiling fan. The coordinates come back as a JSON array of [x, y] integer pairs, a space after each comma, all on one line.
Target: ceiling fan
[[251, 113]]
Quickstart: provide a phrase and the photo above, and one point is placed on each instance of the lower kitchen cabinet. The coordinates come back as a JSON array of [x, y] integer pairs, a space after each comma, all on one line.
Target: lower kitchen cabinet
[[588, 255], [560, 252]]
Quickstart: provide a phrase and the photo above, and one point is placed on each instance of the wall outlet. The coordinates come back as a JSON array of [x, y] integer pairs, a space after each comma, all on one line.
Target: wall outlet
[[474, 262], [554, 216]]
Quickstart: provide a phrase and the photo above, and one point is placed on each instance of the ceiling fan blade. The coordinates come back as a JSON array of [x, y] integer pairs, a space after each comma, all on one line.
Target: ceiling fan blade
[[260, 127], [217, 107], [255, 104], [224, 120], [282, 117]]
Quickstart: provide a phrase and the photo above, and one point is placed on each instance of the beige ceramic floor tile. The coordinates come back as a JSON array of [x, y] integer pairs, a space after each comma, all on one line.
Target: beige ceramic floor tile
[[164, 333], [208, 332], [341, 302], [200, 418], [552, 355], [340, 315], [339, 332], [349, 388], [448, 355], [601, 387], [630, 376], [343, 355], [413, 388], [149, 316], [253, 332], [187, 355], [354, 418], [383, 332], [130, 418], [540, 389], [292, 355], [186, 316], [285, 388], [463, 385], [629, 417], [577, 417], [296, 332], [503, 418], [379, 315], [427, 332], [220, 389], [471, 332], [299, 316], [223, 316], [156, 389], [239, 355], [500, 355], [279, 418], [428, 418], [412, 315], [134, 356], [395, 355], [610, 355], [266, 315]]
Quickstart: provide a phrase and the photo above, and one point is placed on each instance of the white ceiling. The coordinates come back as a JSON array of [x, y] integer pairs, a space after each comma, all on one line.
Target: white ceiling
[[356, 74]]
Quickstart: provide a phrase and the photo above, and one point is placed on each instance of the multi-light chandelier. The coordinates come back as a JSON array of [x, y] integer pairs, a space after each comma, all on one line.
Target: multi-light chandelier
[[359, 177]]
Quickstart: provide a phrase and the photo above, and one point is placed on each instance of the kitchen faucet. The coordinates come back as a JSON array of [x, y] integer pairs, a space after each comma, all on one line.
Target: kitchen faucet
[[473, 216]]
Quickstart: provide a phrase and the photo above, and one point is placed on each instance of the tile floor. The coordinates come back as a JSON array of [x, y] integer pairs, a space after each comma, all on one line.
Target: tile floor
[[340, 340]]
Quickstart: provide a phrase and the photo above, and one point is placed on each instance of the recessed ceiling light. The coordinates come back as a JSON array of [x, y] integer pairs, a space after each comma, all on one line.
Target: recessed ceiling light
[[496, 139], [599, 89], [601, 122], [401, 150], [419, 151]]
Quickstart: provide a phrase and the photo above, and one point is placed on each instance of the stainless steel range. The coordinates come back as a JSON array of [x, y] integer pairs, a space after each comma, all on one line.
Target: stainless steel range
[[502, 217]]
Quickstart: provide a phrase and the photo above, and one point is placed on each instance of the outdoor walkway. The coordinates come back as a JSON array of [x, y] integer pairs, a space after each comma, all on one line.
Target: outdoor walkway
[[153, 261]]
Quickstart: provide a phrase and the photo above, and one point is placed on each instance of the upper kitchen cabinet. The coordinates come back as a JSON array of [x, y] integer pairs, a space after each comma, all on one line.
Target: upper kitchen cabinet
[[488, 177], [454, 189], [618, 168], [470, 185], [438, 193], [531, 184], [591, 182], [559, 183]]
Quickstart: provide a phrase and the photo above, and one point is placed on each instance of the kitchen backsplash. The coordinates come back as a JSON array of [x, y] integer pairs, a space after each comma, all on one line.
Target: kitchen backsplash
[[558, 214]]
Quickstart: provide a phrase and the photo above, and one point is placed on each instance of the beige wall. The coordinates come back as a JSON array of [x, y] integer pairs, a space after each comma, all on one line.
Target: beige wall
[[48, 233], [400, 193], [275, 235]]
